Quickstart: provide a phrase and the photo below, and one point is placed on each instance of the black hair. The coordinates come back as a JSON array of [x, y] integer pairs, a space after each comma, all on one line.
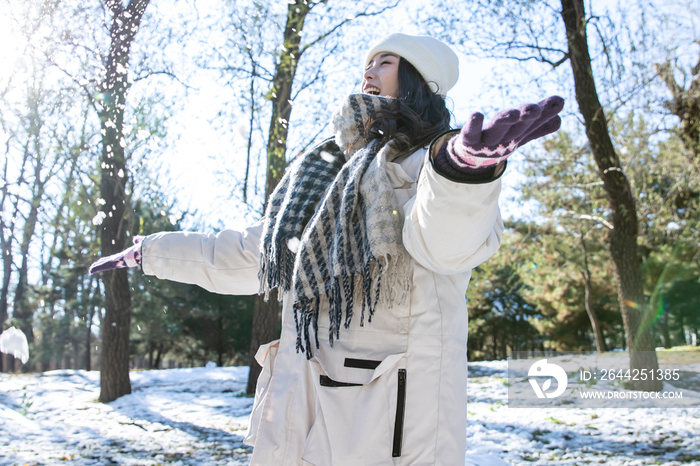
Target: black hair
[[415, 117]]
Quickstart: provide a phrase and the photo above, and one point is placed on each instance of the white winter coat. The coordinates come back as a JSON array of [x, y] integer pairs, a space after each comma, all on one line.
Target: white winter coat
[[391, 392]]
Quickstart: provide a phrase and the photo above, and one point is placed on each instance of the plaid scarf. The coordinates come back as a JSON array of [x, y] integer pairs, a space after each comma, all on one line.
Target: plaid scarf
[[332, 230]]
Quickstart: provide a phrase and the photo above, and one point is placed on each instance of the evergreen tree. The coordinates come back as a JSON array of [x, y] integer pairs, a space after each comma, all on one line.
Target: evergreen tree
[[500, 317]]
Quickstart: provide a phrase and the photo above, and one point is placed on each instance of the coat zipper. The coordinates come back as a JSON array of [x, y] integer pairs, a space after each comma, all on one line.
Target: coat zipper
[[400, 411]]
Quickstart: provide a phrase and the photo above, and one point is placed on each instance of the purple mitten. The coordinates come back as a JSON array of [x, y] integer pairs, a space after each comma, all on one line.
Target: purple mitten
[[475, 148], [128, 258]]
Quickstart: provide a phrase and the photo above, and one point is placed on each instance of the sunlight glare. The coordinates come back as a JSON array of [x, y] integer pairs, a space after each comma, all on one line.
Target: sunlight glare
[[12, 43]]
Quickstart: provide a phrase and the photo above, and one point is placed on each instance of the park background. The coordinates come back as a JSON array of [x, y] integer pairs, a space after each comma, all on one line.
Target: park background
[[218, 96]]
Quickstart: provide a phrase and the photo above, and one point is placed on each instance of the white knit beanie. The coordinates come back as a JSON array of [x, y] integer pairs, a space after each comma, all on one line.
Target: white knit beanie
[[434, 60]]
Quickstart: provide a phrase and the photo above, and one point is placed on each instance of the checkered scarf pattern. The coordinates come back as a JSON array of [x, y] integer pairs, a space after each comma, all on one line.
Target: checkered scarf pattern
[[332, 230]]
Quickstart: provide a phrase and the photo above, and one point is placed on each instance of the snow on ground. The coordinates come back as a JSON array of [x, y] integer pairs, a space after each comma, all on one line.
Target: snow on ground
[[198, 417], [612, 436], [178, 416]]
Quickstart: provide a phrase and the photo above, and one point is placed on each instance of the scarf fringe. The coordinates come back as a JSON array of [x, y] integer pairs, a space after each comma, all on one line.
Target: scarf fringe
[[276, 271], [342, 295]]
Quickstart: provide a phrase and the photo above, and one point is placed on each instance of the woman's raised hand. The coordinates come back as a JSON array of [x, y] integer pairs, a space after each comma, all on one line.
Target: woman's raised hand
[[128, 258], [478, 147]]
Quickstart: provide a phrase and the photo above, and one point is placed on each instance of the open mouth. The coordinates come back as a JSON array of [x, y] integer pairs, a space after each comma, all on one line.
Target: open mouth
[[371, 90]]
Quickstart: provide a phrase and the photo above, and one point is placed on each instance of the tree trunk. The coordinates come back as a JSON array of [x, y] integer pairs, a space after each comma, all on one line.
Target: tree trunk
[[220, 344], [159, 355], [266, 323], [623, 237], [595, 325], [681, 329], [266, 319], [114, 364], [597, 331], [150, 355], [23, 312], [6, 246], [685, 104], [664, 329], [88, 342], [88, 325], [76, 354], [8, 240]]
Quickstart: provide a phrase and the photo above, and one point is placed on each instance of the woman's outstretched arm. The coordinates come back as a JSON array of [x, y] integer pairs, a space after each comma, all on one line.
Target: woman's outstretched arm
[[224, 263], [454, 223]]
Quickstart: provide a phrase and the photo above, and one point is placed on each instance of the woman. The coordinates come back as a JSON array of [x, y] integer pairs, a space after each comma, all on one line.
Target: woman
[[371, 238]]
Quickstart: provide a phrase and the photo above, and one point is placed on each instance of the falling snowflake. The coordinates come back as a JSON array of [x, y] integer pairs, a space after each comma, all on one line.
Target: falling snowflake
[[99, 218], [327, 156], [293, 244]]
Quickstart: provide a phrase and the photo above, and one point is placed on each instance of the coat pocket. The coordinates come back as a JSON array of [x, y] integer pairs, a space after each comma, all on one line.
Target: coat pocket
[[265, 356], [359, 420]]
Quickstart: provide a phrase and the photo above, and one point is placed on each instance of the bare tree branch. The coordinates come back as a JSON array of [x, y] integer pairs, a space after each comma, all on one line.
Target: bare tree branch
[[164, 72], [344, 22], [317, 75], [88, 92], [312, 140]]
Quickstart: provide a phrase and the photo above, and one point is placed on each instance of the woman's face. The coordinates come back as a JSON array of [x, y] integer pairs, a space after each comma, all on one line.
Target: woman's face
[[382, 75]]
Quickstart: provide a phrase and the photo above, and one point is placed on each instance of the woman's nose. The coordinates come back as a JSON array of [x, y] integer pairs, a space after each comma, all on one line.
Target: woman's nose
[[369, 73]]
